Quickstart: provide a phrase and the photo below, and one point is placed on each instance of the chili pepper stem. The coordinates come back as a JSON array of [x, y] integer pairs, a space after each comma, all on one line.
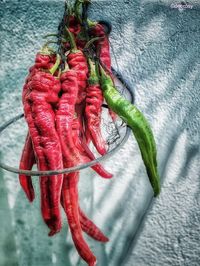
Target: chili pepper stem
[[66, 68], [45, 50], [93, 79], [50, 35], [91, 42], [56, 65], [77, 10], [72, 41], [67, 13], [91, 23], [104, 76], [59, 73]]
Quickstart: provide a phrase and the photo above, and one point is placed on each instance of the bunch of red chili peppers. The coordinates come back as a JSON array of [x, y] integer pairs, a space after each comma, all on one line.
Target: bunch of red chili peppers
[[63, 97]]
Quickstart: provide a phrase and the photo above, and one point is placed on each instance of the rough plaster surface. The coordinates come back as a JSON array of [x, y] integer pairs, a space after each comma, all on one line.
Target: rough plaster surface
[[157, 51]]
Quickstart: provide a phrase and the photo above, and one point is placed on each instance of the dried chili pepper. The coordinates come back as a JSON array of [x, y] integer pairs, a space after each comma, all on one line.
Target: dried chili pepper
[[44, 59], [26, 163], [86, 224], [102, 45], [139, 125], [103, 52], [65, 115], [91, 229], [87, 155], [42, 92], [70, 202], [64, 119], [93, 109], [77, 61]]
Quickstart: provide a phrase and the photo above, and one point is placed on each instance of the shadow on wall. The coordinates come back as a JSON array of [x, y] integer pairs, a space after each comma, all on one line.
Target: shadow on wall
[[8, 254]]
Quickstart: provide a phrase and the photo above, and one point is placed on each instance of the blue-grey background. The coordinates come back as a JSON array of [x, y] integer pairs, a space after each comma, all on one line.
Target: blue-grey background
[[157, 49]]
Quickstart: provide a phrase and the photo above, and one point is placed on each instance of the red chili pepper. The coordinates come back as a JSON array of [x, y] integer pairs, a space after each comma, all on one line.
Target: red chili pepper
[[102, 45], [103, 52], [71, 206], [64, 118], [74, 25], [42, 91], [84, 150], [78, 62], [68, 126], [28, 158], [44, 61], [93, 109], [26, 163], [90, 228]]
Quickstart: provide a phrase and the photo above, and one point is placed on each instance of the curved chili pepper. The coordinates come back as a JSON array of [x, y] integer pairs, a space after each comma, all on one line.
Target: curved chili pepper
[[70, 202], [70, 198], [77, 61], [74, 27], [90, 228], [93, 109], [43, 60], [42, 90], [68, 131], [26, 163], [84, 150], [102, 45], [139, 125], [64, 118], [103, 52]]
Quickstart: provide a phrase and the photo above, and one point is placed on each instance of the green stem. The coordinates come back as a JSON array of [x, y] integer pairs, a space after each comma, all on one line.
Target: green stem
[[66, 67], [68, 11], [91, 42], [56, 65], [105, 77], [50, 35], [93, 79], [72, 41], [91, 23], [59, 73], [45, 50], [77, 10]]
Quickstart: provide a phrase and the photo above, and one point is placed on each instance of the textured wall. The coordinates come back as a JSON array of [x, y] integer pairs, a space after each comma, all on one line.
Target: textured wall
[[157, 51]]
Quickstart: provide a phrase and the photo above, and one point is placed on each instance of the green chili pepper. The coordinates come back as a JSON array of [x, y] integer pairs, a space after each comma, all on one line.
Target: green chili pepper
[[139, 125]]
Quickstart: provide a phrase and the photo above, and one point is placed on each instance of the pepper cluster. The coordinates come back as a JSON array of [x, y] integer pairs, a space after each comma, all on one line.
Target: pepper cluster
[[62, 98]]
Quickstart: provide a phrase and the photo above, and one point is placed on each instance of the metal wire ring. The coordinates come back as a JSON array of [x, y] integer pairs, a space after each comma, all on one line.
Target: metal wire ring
[[77, 167]]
